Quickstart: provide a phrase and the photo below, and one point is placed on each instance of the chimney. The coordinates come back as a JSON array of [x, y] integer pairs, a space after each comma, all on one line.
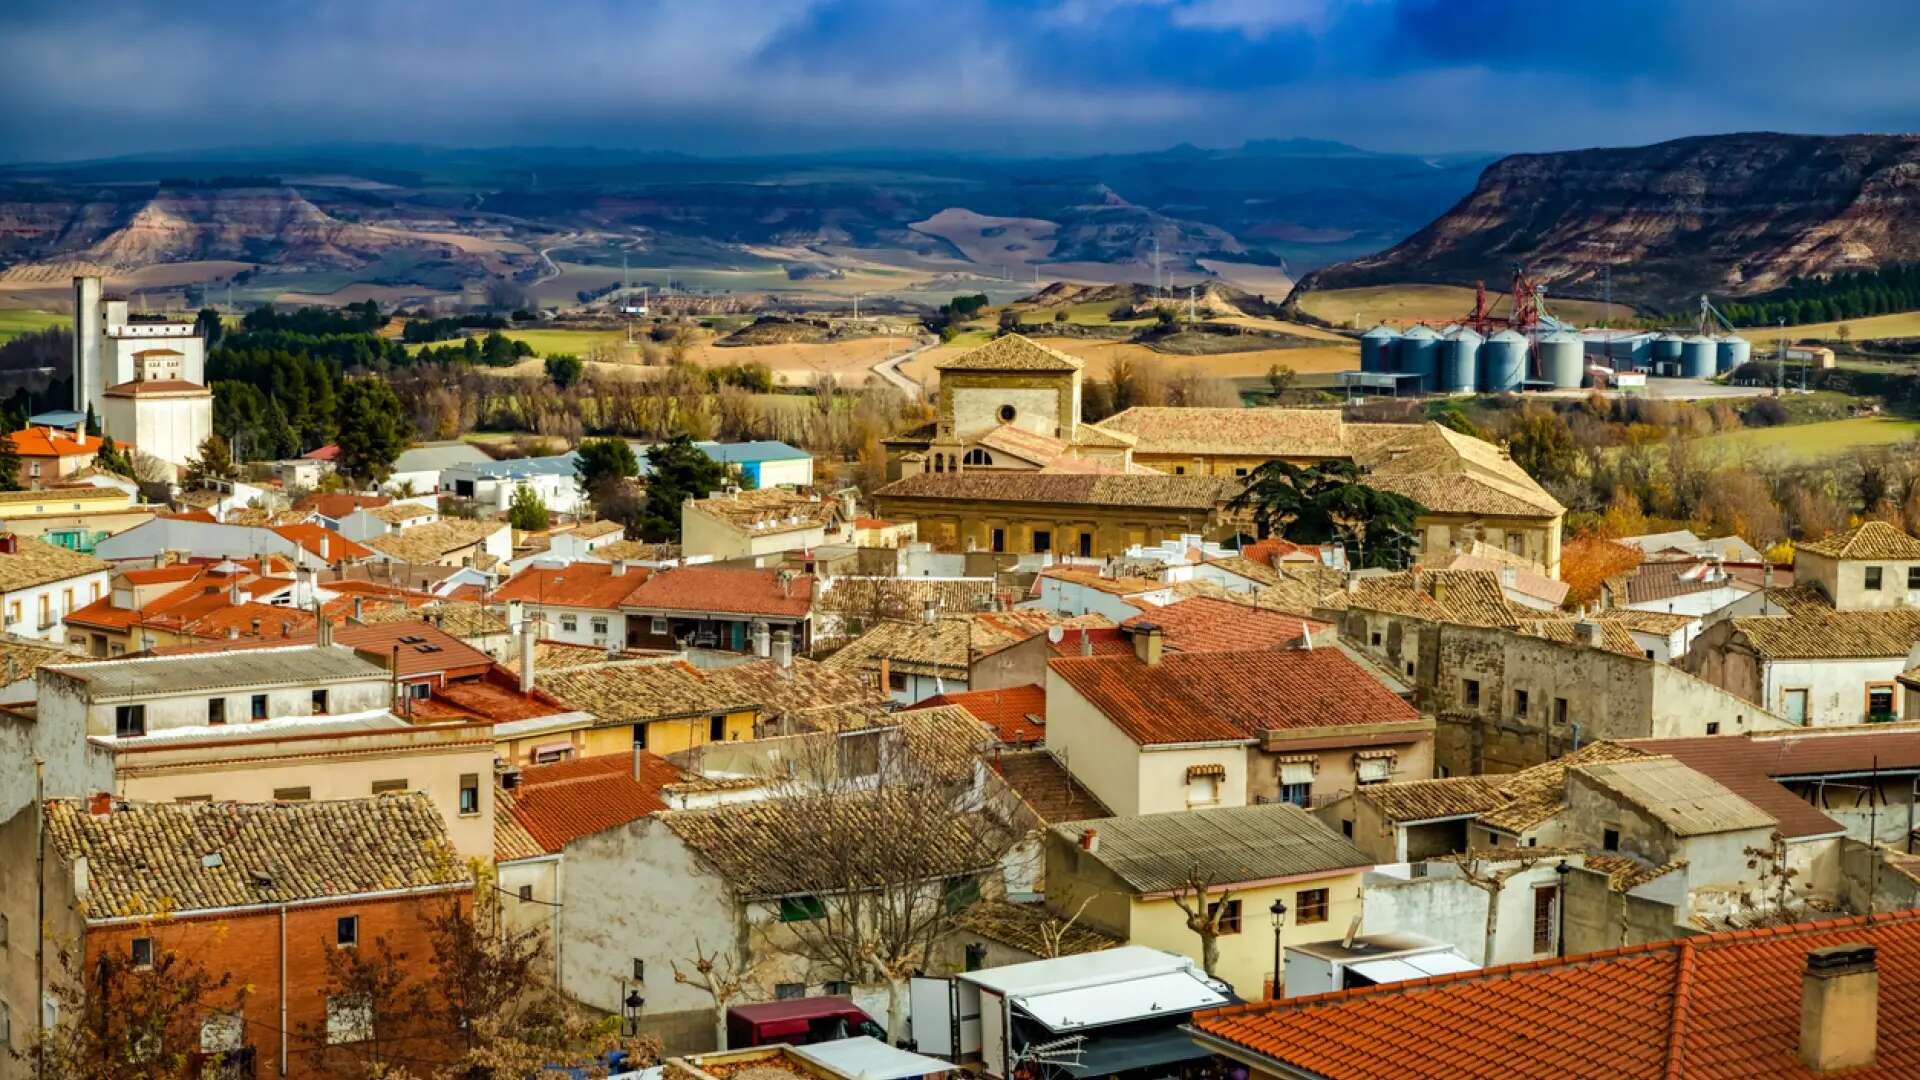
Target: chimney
[[326, 548], [1839, 1008], [256, 628], [1147, 643], [762, 640], [323, 628], [928, 611], [1588, 632], [9, 544], [1509, 577], [783, 648], [637, 752], [619, 568], [1353, 584], [886, 673], [83, 876], [528, 628], [1090, 839], [1086, 642], [100, 804], [235, 594], [359, 606]]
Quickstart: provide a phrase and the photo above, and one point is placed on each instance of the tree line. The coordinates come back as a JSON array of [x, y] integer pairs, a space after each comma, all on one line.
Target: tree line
[[1855, 294]]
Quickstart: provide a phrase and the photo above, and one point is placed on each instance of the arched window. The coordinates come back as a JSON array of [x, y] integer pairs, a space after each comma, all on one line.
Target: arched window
[[977, 456], [939, 463]]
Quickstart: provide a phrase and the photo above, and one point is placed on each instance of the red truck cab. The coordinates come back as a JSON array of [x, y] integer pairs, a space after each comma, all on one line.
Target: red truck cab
[[797, 1022]]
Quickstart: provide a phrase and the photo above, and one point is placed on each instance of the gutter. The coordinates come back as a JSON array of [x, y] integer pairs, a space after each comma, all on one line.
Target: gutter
[[1257, 883], [1208, 745], [282, 906], [1249, 1058]]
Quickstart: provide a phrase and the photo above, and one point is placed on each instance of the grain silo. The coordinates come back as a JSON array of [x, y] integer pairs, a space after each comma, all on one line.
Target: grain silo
[[1563, 359], [1460, 362], [1503, 362], [1697, 357], [1376, 348], [1666, 349], [1734, 350], [1418, 353]]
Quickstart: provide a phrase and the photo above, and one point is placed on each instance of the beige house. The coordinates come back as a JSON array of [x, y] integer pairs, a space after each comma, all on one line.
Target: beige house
[[737, 524], [450, 542], [1229, 442], [1869, 568], [72, 516], [1126, 877]]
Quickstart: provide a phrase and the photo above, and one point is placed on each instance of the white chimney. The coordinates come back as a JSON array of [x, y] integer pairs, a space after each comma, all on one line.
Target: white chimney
[[783, 648], [619, 568], [762, 640], [235, 594], [928, 611], [528, 629], [82, 879]]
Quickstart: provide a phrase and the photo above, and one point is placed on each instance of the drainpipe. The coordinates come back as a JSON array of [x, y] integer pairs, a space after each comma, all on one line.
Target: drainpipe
[[283, 989], [40, 914], [1576, 737]]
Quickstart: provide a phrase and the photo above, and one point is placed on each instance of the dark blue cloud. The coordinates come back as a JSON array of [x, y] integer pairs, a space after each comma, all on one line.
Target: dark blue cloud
[[1067, 76]]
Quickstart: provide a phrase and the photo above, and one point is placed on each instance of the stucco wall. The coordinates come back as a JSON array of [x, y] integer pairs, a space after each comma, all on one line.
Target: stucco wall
[[1246, 958], [1836, 689], [1097, 753]]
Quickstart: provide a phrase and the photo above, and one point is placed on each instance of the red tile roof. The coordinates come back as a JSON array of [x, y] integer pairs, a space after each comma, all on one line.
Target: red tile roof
[[579, 585], [313, 538], [53, 442], [325, 453], [1105, 641], [1219, 696], [1205, 624], [160, 575], [1711, 1007], [724, 590], [562, 802], [495, 697], [1747, 765], [339, 504], [1015, 713]]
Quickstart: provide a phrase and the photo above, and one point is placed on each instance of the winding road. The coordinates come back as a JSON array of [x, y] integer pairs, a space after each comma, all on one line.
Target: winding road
[[889, 369]]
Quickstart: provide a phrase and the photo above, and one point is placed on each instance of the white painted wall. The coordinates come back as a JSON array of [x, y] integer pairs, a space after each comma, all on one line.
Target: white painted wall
[[1836, 689], [21, 608], [1129, 778], [577, 626]]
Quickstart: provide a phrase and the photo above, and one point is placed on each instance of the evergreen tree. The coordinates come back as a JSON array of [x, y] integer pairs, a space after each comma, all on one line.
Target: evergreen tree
[[603, 462], [527, 513], [373, 429], [676, 471], [1327, 503], [9, 464], [214, 463], [92, 424]]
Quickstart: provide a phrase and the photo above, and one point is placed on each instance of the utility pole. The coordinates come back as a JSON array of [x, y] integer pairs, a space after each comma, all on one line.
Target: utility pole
[[1156, 265], [1189, 305]]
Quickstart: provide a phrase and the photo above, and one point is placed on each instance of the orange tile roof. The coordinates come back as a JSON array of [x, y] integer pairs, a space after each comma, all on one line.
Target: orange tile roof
[[562, 802], [1104, 641], [578, 585], [53, 442], [1015, 713], [496, 697], [1710, 1007], [161, 574], [339, 504], [313, 537], [1206, 624], [148, 387], [1220, 696], [725, 590]]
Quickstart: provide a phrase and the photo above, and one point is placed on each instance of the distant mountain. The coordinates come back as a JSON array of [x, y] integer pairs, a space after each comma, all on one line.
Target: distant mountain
[[1727, 215]]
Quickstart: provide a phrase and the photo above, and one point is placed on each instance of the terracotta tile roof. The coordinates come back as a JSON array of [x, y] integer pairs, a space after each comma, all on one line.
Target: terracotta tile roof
[[1031, 928], [35, 562], [158, 388], [1531, 796], [1872, 540], [1531, 582], [430, 543], [1204, 624], [422, 646], [1123, 585], [465, 619], [1647, 622], [1687, 802], [593, 530], [1707, 1007], [560, 803], [1450, 473], [746, 843], [1096, 640], [1144, 490], [1011, 352], [339, 505], [74, 496], [511, 840], [550, 656], [1153, 853], [807, 695], [325, 544], [20, 657], [724, 590], [768, 511], [399, 513], [1422, 800], [1465, 597], [149, 857], [1046, 786], [1288, 433], [1614, 635], [1220, 696], [161, 575], [53, 442], [636, 551], [630, 691], [577, 585], [495, 698], [899, 598], [1016, 713], [1748, 765], [1812, 630], [947, 646]]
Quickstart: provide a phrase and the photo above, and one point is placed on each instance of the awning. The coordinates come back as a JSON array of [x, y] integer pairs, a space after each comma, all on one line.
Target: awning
[[1104, 1055], [1118, 1002], [866, 1058]]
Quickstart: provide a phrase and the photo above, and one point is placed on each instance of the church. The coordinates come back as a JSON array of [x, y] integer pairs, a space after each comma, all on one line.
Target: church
[[143, 376]]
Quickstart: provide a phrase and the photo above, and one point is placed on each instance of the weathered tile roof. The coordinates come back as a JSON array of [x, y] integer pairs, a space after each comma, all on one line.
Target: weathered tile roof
[[1223, 696], [399, 513], [726, 590], [1422, 800], [559, 803], [511, 840], [636, 550], [1531, 796], [1815, 631], [1748, 764], [578, 585], [430, 543], [1145, 490], [19, 657], [1465, 597], [873, 598], [1206, 624], [1647, 622], [1614, 634], [1722, 1006], [1450, 473], [154, 857], [1011, 352], [1026, 927], [1525, 580], [1015, 713], [593, 530], [630, 691], [1288, 433], [1686, 801], [768, 511], [1046, 786], [1154, 853], [35, 562], [1872, 540], [461, 618], [321, 542], [949, 644]]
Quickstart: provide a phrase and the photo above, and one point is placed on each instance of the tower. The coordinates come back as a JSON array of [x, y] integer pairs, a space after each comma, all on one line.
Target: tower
[[86, 343]]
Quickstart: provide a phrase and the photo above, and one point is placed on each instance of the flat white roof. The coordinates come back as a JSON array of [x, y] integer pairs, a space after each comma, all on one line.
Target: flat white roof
[[1124, 999], [1072, 972], [870, 1059]]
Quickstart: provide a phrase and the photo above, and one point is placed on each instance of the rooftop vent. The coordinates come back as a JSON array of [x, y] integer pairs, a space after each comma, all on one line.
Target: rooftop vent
[[212, 861]]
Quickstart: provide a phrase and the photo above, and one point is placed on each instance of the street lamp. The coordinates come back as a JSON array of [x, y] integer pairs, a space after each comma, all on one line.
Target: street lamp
[[1560, 910], [1279, 912]]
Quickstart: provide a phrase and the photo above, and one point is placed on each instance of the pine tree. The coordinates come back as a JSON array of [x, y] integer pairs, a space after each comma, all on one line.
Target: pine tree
[[93, 422]]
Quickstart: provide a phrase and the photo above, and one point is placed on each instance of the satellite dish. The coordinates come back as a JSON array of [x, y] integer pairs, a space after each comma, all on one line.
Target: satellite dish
[[1056, 633]]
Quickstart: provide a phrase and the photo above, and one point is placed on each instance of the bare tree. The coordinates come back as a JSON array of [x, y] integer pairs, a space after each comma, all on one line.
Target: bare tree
[[1206, 913], [1490, 870], [724, 976]]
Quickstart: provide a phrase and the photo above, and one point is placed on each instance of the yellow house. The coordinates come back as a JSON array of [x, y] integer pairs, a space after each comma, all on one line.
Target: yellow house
[[1229, 442], [73, 517], [1129, 877], [1091, 515]]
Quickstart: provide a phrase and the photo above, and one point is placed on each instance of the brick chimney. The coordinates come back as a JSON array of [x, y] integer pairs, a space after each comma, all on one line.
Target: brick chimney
[[1840, 1008], [1148, 642]]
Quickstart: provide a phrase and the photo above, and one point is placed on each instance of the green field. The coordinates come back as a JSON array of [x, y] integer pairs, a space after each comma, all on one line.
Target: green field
[[15, 323], [1094, 314], [1808, 442]]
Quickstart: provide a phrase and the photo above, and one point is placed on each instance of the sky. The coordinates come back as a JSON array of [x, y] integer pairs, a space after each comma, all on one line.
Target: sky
[[1046, 77]]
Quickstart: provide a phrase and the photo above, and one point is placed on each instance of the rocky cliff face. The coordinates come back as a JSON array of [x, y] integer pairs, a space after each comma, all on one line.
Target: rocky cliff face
[[1725, 215]]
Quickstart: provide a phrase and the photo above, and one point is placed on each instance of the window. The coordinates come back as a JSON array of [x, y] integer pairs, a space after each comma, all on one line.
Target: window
[[13, 612], [896, 680], [801, 909], [658, 625], [129, 721], [998, 540], [1377, 770], [1794, 705], [1042, 541], [1202, 789], [469, 793], [640, 736], [1873, 579], [1544, 899], [962, 893], [977, 456], [1310, 906], [142, 952], [526, 892], [789, 991], [1375, 638], [349, 1019], [319, 702], [1240, 471], [1519, 703], [716, 729], [1560, 710], [259, 706], [1713, 727], [1086, 545], [1179, 470], [639, 970], [1610, 839], [222, 1033], [1913, 577], [46, 611], [1879, 702], [217, 710], [600, 625], [1346, 828], [346, 931], [389, 787], [1470, 693], [1229, 918], [570, 623], [841, 987], [1007, 413], [1300, 795], [292, 794], [548, 757]]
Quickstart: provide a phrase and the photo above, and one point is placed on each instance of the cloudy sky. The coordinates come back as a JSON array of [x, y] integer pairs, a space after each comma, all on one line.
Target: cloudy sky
[[1041, 77]]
